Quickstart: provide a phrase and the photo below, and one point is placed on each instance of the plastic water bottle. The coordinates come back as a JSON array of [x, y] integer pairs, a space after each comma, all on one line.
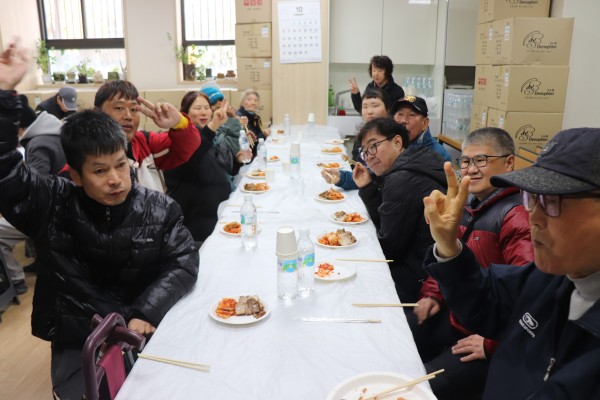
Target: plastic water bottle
[[295, 160], [306, 264], [261, 155], [287, 263], [249, 221], [287, 125], [310, 124], [245, 145]]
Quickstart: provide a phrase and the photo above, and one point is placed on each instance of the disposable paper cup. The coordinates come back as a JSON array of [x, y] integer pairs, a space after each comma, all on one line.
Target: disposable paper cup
[[270, 175], [286, 245], [286, 166], [295, 148], [311, 117]]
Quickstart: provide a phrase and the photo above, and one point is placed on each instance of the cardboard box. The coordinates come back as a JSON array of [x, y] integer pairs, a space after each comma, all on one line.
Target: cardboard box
[[253, 40], [484, 43], [252, 11], [265, 109], [478, 117], [540, 41], [254, 73], [492, 10], [484, 84], [164, 96], [529, 88], [527, 129]]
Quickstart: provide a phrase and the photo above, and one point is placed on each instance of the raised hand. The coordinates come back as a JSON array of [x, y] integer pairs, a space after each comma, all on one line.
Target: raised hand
[[361, 175], [443, 212], [219, 117], [164, 115], [14, 62], [353, 86]]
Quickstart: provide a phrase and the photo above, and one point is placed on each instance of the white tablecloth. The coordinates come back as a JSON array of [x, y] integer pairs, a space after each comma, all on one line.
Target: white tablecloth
[[279, 357]]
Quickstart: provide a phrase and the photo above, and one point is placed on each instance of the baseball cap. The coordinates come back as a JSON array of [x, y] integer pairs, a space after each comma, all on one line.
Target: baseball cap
[[69, 96], [213, 94], [418, 104], [568, 163]]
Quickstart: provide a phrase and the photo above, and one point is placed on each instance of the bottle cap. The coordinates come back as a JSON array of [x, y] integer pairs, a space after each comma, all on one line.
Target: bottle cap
[[248, 197]]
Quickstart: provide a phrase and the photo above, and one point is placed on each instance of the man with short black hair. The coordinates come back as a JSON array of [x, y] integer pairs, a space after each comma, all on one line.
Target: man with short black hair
[[546, 313], [62, 104]]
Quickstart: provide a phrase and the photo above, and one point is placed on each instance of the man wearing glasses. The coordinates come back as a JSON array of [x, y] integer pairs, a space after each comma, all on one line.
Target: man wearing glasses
[[495, 226], [545, 314], [394, 198]]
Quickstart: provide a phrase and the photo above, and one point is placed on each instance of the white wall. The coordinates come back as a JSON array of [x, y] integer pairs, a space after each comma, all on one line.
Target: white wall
[[582, 105]]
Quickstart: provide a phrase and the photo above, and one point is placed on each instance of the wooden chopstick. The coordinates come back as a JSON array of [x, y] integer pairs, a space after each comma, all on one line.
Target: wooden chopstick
[[239, 205], [349, 160], [406, 384], [385, 304], [363, 260], [180, 363]]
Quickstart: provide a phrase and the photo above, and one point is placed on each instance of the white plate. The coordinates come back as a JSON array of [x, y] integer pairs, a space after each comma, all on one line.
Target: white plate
[[324, 151], [222, 230], [249, 175], [340, 165], [375, 382], [339, 272], [335, 247], [278, 159], [235, 320], [365, 219], [335, 141], [329, 201], [254, 191]]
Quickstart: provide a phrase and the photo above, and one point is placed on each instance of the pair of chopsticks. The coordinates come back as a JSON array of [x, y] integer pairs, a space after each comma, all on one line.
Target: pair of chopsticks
[[363, 260], [349, 160], [239, 205], [347, 320], [179, 363], [408, 384], [385, 304]]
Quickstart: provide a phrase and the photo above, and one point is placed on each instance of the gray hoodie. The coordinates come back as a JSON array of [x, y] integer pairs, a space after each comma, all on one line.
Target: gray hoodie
[[41, 141]]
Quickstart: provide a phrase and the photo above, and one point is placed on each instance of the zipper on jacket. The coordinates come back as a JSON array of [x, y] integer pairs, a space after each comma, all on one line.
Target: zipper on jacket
[[549, 368], [107, 216]]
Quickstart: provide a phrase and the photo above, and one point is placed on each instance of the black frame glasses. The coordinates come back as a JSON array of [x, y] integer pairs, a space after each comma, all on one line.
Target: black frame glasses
[[479, 160], [371, 149], [550, 203]]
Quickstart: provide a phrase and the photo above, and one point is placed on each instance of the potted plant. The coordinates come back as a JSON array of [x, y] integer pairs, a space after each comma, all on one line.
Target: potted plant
[[44, 60], [84, 71], [71, 75], [114, 74], [188, 57], [59, 76]]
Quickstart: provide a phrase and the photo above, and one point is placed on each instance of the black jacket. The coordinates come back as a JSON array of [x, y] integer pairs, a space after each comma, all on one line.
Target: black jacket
[[391, 88], [395, 204], [136, 258], [51, 106], [199, 186]]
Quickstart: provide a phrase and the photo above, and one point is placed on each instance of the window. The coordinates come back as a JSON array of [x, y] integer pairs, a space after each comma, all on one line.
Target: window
[[84, 31], [210, 24]]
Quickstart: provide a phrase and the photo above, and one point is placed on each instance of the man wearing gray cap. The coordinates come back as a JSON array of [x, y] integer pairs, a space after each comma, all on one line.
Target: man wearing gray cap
[[62, 104], [546, 314]]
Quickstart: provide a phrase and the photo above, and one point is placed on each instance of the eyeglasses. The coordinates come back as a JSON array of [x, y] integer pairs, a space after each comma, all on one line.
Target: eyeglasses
[[550, 203], [371, 149], [479, 160]]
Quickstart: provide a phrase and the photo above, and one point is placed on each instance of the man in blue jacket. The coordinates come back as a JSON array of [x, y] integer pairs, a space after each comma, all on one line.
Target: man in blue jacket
[[546, 315]]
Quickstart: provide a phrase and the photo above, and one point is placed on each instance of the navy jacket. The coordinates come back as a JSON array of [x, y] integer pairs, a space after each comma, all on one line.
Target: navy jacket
[[541, 355]]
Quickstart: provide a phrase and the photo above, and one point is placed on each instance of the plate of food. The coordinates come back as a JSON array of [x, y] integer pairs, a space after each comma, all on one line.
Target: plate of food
[[365, 385], [256, 174], [332, 150], [327, 271], [232, 228], [329, 164], [240, 310], [330, 196], [335, 141], [273, 159], [341, 238], [348, 218], [258, 187]]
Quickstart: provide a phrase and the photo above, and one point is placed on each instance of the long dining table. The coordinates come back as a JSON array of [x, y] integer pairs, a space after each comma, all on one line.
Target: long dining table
[[281, 356]]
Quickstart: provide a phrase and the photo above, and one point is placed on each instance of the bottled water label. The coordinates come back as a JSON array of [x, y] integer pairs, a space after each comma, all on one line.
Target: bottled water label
[[287, 278], [308, 260], [306, 278], [295, 160]]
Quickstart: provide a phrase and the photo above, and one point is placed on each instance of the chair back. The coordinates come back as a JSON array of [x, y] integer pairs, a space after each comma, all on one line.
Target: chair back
[[104, 377]]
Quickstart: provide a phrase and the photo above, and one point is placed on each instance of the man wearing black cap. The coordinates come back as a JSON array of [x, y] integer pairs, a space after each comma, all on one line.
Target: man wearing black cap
[[412, 112], [546, 314], [62, 104]]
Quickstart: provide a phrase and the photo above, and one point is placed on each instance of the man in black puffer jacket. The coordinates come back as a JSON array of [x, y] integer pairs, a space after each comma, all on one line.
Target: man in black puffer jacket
[[107, 246]]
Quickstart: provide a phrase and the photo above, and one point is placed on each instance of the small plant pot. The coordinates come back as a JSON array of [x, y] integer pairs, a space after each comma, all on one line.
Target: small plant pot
[[83, 79], [189, 72], [113, 76], [46, 79], [58, 77]]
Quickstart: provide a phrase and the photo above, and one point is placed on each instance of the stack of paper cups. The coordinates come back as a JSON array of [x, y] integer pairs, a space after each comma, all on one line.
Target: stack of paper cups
[[286, 249]]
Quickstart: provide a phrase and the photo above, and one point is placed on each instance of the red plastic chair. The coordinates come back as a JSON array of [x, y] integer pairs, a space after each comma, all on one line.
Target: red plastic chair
[[104, 377]]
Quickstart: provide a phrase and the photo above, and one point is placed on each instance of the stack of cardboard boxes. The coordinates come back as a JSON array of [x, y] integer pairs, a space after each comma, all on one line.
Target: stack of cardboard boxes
[[253, 46], [522, 69]]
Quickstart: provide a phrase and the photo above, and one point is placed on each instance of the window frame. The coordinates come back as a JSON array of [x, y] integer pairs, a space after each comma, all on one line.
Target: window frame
[[79, 44], [187, 43]]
